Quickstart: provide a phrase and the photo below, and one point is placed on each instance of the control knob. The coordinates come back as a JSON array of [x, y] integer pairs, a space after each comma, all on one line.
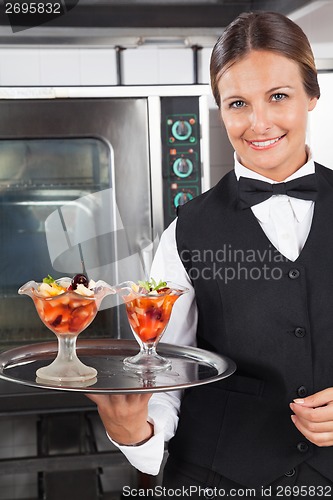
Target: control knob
[[181, 130], [182, 198], [183, 167]]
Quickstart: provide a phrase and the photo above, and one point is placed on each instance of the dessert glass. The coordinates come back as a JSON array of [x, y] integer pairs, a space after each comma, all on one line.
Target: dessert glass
[[66, 315], [148, 315]]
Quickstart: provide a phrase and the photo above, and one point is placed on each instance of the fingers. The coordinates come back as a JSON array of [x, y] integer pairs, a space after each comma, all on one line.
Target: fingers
[[320, 434], [96, 398], [313, 417], [121, 408], [318, 399], [119, 399], [310, 428]]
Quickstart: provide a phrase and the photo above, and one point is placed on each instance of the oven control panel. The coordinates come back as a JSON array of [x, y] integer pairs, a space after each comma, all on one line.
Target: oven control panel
[[181, 161]]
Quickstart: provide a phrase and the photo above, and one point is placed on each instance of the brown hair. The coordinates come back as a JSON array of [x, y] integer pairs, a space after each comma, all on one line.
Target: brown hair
[[268, 31]]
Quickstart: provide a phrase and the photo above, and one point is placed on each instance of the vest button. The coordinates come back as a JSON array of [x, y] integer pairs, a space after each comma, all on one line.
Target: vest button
[[294, 274], [209, 493], [290, 473], [302, 391], [299, 332], [302, 447]]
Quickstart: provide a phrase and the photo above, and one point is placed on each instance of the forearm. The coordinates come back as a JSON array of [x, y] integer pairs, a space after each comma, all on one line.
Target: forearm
[[132, 434], [163, 415], [124, 416]]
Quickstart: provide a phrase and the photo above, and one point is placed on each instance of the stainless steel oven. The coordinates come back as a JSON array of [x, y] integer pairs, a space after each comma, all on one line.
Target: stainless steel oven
[[142, 150]]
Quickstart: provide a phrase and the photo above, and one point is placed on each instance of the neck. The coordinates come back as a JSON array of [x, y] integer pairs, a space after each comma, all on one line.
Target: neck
[[279, 174]]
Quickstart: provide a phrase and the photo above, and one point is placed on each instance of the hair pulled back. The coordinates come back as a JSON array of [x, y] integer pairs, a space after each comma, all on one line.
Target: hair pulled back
[[269, 31]]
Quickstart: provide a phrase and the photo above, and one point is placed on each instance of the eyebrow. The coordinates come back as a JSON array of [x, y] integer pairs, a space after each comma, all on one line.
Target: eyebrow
[[270, 91], [280, 87]]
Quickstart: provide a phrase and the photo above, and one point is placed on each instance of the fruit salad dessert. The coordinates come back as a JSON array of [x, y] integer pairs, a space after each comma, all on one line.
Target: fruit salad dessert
[[66, 306], [149, 306]]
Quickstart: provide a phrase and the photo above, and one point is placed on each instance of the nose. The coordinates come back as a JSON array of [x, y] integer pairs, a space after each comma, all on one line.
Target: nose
[[260, 119]]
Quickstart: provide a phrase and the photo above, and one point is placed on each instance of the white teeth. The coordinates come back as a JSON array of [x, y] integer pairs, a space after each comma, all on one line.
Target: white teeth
[[264, 144]]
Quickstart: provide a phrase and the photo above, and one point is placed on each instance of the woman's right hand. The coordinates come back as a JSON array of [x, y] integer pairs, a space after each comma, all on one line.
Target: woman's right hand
[[124, 417]]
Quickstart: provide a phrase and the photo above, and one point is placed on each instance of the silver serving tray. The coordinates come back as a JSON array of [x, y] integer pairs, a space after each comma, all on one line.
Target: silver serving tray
[[190, 367]]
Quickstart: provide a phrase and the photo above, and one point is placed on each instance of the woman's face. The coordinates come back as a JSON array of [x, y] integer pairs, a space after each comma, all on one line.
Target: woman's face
[[264, 108]]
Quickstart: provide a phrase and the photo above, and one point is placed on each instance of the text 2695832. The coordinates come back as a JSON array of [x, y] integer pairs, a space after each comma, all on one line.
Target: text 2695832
[[33, 7]]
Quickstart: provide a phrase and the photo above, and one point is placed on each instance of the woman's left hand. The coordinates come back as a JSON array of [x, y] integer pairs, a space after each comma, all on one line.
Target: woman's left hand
[[313, 417]]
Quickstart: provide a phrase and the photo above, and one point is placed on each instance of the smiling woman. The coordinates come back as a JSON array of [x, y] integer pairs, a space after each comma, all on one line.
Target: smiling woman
[[272, 312], [271, 32]]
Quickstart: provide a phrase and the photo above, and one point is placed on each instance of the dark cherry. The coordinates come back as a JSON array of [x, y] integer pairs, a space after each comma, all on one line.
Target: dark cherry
[[155, 313], [57, 321], [79, 279]]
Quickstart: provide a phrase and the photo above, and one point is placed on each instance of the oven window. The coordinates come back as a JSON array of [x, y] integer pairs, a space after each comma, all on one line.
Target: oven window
[[36, 177], [54, 163]]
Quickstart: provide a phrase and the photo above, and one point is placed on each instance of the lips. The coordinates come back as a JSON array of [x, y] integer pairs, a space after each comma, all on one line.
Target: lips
[[265, 144]]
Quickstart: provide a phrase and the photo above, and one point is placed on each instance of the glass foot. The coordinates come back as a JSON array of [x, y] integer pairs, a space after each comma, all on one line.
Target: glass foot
[[63, 383], [144, 362], [66, 371]]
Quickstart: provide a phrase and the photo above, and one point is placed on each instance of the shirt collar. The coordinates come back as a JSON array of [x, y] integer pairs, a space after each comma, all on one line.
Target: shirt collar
[[262, 210]]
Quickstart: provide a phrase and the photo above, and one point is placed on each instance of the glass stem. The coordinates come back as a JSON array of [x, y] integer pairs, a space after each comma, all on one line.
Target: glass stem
[[149, 349], [66, 347]]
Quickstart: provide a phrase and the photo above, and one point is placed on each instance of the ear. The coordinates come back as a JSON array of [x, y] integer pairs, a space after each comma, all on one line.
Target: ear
[[312, 103]]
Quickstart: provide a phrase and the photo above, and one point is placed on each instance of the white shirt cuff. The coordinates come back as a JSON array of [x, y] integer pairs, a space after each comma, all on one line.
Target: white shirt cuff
[[147, 457]]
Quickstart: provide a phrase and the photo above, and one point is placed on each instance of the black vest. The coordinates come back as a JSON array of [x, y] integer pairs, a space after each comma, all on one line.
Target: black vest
[[272, 316]]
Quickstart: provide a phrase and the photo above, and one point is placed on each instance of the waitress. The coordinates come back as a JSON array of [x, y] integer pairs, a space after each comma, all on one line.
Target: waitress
[[256, 252]]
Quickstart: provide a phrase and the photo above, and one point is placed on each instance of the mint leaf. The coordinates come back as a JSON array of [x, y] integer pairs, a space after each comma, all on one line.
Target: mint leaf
[[161, 284], [152, 286], [48, 279]]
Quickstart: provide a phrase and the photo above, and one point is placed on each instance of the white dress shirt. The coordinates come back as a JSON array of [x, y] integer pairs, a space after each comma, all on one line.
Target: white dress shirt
[[286, 222]]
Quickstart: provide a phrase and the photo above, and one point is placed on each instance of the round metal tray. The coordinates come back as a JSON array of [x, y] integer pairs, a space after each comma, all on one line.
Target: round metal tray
[[191, 366]]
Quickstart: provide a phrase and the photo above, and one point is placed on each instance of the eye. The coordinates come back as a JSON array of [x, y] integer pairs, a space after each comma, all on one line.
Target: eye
[[237, 104], [279, 97]]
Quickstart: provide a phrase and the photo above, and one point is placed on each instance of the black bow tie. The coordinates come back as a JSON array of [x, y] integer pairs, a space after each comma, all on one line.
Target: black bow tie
[[251, 191]]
